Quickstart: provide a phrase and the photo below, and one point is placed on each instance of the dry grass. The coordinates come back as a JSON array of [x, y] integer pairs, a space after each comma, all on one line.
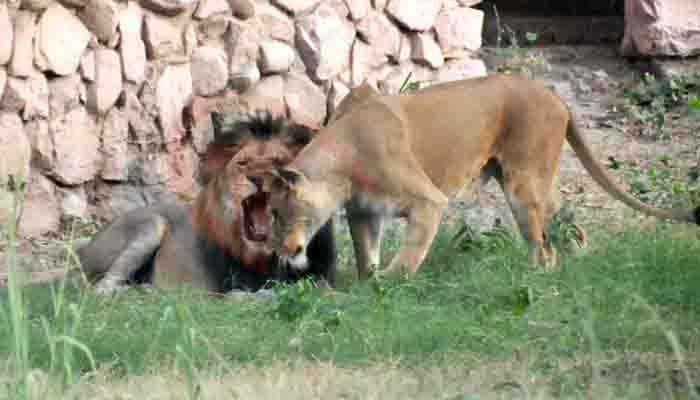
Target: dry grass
[[619, 376]]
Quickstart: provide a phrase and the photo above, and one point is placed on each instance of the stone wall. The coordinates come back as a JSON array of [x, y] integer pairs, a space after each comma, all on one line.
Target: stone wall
[[92, 91]]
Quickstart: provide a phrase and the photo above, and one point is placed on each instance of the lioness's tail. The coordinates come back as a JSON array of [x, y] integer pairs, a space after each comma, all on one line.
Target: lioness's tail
[[573, 136]]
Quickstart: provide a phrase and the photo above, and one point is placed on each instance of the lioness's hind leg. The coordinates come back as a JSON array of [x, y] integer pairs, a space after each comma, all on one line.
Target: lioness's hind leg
[[529, 213], [421, 228], [366, 231], [141, 247]]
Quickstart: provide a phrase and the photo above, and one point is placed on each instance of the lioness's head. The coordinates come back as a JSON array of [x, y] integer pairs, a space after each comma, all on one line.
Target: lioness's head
[[233, 208], [298, 208], [357, 96]]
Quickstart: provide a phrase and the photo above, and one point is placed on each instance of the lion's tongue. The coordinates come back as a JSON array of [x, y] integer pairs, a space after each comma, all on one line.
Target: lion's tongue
[[258, 224]]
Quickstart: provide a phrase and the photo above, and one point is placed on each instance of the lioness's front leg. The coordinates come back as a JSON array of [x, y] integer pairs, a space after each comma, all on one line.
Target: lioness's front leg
[[422, 224], [366, 231]]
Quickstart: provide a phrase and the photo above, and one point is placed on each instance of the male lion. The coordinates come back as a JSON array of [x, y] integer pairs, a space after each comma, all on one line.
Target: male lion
[[406, 155], [221, 242]]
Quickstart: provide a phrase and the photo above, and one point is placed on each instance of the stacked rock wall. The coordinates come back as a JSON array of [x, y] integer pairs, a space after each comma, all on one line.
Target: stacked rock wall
[[92, 91]]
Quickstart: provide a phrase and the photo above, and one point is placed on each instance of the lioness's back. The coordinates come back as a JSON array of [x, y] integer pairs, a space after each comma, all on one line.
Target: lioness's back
[[455, 127]]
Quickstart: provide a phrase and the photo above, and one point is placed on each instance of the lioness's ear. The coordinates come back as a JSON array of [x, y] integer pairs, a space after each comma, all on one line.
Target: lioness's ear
[[217, 121], [282, 179], [290, 176]]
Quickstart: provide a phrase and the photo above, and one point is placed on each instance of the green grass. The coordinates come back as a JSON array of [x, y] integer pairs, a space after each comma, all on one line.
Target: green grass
[[630, 293]]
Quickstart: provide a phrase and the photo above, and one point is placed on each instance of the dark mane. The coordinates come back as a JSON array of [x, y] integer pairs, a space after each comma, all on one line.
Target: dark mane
[[230, 127]]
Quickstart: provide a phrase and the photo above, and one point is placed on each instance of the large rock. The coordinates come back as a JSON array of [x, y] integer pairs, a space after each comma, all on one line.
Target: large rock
[[115, 146], [30, 96], [22, 63], [242, 41], [380, 33], [104, 92], [15, 148], [661, 28], [304, 100], [275, 57], [364, 59], [207, 8], [358, 8], [7, 33], [162, 37], [392, 83], [242, 9], [182, 169], [173, 91], [271, 87], [189, 39], [40, 211], [426, 51], [65, 94], [35, 5], [209, 70], [150, 169], [324, 41], [459, 29], [415, 15], [244, 77], [340, 7], [296, 7], [132, 48], [142, 122], [72, 202], [275, 24], [460, 69], [87, 65], [42, 144], [213, 29], [167, 7], [76, 145], [101, 17], [379, 5], [338, 91], [74, 3], [61, 48], [3, 81]]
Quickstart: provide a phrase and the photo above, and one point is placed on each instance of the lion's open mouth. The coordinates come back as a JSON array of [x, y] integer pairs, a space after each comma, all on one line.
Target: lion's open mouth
[[256, 220]]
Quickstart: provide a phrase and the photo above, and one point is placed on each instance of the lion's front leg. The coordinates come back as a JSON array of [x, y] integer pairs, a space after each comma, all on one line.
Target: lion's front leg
[[142, 245], [421, 228]]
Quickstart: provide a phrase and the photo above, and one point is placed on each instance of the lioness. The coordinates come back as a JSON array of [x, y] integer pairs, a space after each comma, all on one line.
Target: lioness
[[221, 242], [406, 155]]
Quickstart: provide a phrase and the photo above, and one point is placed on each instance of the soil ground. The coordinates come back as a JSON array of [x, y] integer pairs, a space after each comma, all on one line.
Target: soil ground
[[590, 79]]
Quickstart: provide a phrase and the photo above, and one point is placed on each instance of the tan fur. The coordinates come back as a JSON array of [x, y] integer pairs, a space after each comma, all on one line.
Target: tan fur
[[197, 245], [407, 155]]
